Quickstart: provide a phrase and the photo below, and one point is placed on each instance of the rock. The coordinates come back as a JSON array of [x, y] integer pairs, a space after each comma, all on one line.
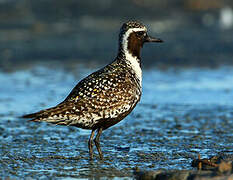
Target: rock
[[225, 167]]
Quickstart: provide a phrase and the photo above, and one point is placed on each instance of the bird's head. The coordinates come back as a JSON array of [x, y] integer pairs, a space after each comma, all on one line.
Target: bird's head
[[132, 37]]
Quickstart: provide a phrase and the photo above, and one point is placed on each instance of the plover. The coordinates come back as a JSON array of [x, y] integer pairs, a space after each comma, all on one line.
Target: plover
[[108, 95]]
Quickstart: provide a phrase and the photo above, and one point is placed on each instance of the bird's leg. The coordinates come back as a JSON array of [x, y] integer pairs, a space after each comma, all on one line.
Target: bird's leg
[[90, 144], [97, 142]]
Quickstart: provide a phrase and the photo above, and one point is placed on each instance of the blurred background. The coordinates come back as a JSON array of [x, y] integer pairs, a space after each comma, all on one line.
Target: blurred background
[[196, 32]]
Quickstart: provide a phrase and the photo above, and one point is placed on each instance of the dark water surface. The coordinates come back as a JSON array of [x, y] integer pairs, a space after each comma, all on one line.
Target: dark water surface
[[182, 112]]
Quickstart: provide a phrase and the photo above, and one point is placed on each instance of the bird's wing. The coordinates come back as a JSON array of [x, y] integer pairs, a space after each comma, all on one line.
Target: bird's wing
[[98, 96]]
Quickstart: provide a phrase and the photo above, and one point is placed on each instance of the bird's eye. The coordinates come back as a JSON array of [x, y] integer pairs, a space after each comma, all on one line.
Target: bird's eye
[[140, 33]]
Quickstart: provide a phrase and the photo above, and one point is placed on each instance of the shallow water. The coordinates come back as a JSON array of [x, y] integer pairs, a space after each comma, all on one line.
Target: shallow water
[[182, 112]]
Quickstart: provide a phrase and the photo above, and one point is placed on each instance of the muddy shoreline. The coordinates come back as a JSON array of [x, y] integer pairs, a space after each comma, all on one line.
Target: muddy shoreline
[[171, 125]]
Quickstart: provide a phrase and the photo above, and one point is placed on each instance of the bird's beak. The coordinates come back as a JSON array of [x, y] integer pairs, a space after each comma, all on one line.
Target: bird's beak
[[152, 39]]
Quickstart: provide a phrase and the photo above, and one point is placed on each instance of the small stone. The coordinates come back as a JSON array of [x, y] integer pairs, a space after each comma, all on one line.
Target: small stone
[[225, 167]]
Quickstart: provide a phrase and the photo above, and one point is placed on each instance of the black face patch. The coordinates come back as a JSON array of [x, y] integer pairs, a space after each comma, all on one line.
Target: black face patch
[[140, 34], [135, 43]]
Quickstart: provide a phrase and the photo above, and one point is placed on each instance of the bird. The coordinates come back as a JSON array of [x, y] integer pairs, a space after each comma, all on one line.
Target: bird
[[108, 95]]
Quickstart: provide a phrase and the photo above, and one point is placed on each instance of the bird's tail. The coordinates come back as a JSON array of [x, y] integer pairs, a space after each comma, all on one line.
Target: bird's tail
[[32, 115], [56, 115], [37, 115]]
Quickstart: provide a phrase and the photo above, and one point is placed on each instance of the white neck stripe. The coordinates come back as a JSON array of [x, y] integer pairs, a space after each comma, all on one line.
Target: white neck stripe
[[130, 59]]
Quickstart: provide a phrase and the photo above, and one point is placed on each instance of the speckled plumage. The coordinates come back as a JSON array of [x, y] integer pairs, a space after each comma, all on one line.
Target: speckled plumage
[[108, 95], [102, 99]]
